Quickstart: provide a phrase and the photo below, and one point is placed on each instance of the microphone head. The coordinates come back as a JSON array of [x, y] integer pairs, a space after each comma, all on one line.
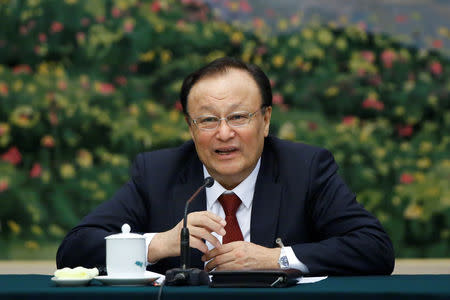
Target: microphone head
[[209, 181]]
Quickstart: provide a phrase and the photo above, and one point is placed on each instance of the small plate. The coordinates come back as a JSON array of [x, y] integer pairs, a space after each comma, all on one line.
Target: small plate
[[139, 280], [71, 281]]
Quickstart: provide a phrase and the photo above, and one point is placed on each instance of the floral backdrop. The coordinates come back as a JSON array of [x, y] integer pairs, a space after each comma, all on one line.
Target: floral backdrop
[[86, 85]]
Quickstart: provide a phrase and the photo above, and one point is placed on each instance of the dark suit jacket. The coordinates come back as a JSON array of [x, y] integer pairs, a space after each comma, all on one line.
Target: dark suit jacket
[[298, 197]]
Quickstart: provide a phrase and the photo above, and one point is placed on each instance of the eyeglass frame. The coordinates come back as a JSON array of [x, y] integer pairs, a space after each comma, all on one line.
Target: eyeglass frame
[[250, 117]]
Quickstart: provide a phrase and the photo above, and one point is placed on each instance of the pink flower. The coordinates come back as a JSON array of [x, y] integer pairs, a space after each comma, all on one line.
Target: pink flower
[[81, 37], [405, 130], [436, 68], [261, 50], [272, 82], [12, 156], [245, 6], [258, 23], [401, 19], [56, 27], [375, 80], [116, 12], [128, 27], [62, 85], [100, 19], [53, 117], [373, 103], [155, 6], [437, 44], [406, 178], [388, 57], [23, 30], [368, 56], [85, 22], [42, 37], [36, 171], [3, 185], [362, 26], [106, 88], [277, 99], [22, 69], [348, 120]]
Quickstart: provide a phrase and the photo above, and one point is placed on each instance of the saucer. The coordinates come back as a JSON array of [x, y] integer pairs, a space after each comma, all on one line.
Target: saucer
[[145, 279], [71, 281]]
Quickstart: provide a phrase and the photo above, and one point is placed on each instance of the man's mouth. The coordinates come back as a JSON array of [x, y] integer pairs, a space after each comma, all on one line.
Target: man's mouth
[[226, 150]]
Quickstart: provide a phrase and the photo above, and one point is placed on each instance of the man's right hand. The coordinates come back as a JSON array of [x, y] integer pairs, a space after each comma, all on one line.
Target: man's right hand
[[200, 224]]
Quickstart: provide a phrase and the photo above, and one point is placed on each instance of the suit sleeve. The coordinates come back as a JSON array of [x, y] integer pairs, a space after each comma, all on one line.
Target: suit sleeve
[[85, 244], [348, 239]]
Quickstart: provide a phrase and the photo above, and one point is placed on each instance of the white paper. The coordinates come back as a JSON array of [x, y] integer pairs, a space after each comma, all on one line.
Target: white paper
[[303, 280]]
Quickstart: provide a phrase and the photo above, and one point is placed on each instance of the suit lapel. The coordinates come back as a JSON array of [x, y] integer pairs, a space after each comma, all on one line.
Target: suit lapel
[[266, 201], [190, 179]]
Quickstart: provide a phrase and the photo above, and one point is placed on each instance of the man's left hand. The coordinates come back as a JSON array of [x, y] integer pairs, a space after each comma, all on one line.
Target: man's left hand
[[241, 255]]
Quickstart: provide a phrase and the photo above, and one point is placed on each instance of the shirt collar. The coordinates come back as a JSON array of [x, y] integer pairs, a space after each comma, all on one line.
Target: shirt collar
[[244, 190]]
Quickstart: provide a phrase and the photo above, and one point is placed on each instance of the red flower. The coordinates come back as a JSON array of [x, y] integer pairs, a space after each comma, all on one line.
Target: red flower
[[56, 27], [121, 80], [348, 120], [437, 44], [36, 171], [155, 6], [133, 68], [401, 19], [436, 68], [277, 99], [106, 88], [388, 57], [245, 6], [373, 103], [3, 89], [3, 185], [42, 37], [178, 105], [53, 117], [406, 178], [405, 131], [12, 156], [312, 126], [22, 69]]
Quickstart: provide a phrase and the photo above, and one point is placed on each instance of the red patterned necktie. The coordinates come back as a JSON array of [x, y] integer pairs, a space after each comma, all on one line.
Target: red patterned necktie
[[230, 204]]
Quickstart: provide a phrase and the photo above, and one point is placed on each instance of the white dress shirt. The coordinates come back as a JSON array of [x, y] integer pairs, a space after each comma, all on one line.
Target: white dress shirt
[[244, 191]]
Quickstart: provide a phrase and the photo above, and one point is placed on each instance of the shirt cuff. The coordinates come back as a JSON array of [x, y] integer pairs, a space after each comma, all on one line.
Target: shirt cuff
[[148, 239], [294, 262]]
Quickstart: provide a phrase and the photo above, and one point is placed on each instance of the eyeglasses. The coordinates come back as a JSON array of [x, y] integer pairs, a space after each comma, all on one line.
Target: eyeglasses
[[236, 119]]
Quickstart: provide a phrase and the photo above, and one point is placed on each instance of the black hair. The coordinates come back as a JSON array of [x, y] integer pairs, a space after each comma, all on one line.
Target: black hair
[[222, 65]]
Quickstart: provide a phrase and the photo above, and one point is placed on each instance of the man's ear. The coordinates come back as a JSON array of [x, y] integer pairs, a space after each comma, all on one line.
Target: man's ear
[[267, 116], [189, 123]]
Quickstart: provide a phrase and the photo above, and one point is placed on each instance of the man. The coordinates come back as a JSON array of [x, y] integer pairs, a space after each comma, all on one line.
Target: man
[[280, 189]]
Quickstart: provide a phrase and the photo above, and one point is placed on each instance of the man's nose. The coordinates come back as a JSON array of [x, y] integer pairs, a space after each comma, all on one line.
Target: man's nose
[[224, 131]]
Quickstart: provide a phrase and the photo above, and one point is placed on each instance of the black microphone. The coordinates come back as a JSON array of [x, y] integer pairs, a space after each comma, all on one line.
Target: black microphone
[[186, 275]]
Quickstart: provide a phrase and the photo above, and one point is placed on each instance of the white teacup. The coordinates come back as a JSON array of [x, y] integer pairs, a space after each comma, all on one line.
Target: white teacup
[[126, 254]]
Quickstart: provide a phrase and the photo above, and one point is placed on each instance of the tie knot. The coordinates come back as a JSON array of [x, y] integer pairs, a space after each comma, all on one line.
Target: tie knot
[[230, 203]]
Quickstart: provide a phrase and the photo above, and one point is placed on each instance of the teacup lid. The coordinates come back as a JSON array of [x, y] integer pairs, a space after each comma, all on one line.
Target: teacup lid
[[126, 234]]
